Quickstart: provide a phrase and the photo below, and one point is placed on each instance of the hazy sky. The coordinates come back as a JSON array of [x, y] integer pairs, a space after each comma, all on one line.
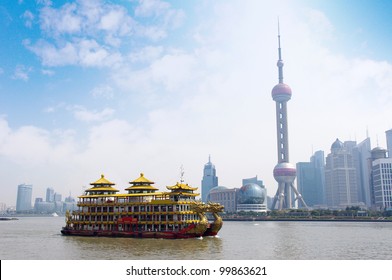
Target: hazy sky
[[123, 87]]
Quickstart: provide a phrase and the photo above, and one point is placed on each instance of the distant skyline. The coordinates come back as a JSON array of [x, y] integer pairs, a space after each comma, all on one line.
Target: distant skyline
[[123, 87]]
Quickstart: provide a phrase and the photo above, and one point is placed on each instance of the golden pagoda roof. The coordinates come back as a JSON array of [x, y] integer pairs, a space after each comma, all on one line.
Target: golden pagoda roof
[[141, 183], [102, 181], [181, 186], [102, 185], [141, 180]]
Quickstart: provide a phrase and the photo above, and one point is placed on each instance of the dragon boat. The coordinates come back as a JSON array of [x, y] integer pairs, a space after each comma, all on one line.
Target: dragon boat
[[142, 212]]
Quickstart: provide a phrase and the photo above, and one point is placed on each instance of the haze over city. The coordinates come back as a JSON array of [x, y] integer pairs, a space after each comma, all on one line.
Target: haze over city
[[119, 88]]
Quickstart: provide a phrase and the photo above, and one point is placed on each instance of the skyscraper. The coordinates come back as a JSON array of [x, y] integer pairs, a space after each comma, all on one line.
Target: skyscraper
[[23, 199], [341, 187], [56, 197], [49, 195], [378, 180], [284, 171], [362, 154], [209, 180], [311, 182], [389, 142], [382, 183]]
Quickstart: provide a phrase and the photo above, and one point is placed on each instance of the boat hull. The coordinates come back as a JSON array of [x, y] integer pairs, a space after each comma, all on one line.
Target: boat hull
[[210, 232], [131, 234]]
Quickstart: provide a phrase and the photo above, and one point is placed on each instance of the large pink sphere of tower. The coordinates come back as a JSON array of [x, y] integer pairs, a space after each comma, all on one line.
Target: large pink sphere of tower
[[285, 172], [281, 92]]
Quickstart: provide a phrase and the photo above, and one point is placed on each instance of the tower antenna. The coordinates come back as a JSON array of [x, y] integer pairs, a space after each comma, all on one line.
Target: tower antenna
[[280, 54], [280, 61]]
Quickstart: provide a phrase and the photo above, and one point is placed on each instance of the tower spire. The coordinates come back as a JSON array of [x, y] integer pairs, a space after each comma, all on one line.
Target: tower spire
[[280, 61]]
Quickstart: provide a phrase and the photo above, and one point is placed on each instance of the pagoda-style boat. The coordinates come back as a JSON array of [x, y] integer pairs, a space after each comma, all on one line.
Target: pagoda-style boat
[[142, 212]]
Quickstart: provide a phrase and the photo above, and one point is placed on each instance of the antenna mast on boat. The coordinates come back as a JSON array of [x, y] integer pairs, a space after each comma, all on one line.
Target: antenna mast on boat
[[182, 173]]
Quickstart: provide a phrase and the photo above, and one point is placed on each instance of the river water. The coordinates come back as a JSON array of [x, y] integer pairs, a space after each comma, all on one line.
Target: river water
[[39, 238]]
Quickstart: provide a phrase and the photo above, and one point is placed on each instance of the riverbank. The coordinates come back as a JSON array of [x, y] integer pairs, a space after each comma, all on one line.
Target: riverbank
[[31, 215], [7, 219], [310, 219]]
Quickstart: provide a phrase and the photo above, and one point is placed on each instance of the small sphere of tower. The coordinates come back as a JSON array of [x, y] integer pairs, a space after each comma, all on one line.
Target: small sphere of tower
[[281, 93], [285, 172]]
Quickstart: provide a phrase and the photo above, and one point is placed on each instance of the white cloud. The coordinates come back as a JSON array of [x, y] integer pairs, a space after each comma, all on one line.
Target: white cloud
[[81, 52], [116, 21], [146, 54], [166, 72], [54, 108], [47, 72], [91, 33], [22, 72], [103, 91], [320, 24], [148, 8], [92, 54], [154, 33], [44, 2], [162, 15], [29, 18], [82, 114], [53, 56], [364, 70], [173, 70], [31, 146], [32, 154], [49, 110], [61, 21]]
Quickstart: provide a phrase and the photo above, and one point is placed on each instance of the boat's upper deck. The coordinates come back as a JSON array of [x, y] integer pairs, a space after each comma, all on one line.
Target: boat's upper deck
[[140, 191]]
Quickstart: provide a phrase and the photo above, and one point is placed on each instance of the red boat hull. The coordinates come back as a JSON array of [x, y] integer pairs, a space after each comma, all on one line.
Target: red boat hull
[[210, 232], [130, 234]]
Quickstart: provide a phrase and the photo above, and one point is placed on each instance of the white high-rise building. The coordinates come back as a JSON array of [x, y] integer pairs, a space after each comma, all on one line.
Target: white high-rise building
[[341, 188], [382, 183], [24, 197], [388, 134]]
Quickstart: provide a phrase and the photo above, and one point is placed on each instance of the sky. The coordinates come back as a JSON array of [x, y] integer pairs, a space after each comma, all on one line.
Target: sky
[[91, 87]]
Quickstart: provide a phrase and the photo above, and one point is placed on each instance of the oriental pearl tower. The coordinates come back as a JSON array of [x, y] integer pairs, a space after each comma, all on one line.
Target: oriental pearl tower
[[284, 172]]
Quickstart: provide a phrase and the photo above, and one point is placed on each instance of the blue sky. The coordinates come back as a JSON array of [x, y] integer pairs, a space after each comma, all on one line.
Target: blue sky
[[123, 87], [361, 26]]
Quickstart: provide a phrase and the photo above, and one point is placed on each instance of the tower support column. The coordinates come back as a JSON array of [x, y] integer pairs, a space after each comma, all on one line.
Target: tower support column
[[283, 196]]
